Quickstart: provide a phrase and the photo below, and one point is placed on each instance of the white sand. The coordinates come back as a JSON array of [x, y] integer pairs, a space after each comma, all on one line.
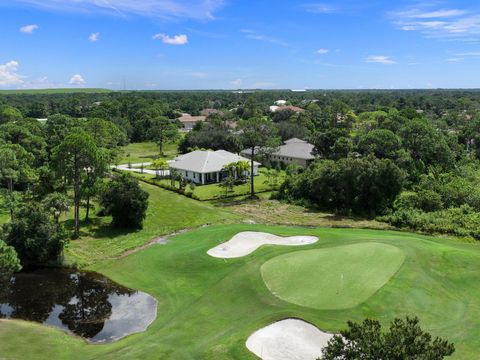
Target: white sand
[[289, 339], [246, 242]]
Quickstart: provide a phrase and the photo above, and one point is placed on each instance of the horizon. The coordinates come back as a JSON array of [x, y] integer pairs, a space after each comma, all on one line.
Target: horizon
[[229, 45]]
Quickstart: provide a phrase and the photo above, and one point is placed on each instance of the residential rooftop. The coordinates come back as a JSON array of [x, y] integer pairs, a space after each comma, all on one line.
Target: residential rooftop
[[206, 161]]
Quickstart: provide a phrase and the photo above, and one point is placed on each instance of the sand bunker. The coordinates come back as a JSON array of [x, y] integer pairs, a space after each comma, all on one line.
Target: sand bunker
[[246, 242], [290, 339]]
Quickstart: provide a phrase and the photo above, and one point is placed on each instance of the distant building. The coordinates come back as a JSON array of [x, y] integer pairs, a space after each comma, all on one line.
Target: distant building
[[296, 109], [188, 121], [204, 167], [281, 102], [208, 112], [294, 151]]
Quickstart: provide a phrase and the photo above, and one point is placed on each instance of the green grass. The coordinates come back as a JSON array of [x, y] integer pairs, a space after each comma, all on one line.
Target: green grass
[[167, 213], [55, 91], [339, 277], [146, 152], [208, 307], [4, 213], [214, 191]]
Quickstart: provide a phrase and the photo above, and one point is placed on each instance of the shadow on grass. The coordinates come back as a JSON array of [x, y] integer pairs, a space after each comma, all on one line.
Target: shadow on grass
[[98, 228]]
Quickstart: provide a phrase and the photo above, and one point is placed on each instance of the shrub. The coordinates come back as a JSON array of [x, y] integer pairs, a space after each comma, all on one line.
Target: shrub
[[125, 201], [403, 340], [9, 262], [37, 239], [359, 185]]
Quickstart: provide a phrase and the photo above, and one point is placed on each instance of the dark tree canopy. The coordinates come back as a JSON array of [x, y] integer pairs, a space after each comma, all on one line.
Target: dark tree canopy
[[125, 201], [37, 239], [404, 340]]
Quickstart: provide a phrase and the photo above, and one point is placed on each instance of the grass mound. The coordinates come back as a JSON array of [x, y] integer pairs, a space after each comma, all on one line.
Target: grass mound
[[339, 277]]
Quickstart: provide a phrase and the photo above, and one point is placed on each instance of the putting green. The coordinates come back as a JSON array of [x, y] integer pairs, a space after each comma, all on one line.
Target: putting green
[[340, 277]]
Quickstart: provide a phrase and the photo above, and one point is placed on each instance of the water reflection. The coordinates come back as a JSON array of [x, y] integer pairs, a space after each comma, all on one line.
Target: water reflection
[[84, 303]]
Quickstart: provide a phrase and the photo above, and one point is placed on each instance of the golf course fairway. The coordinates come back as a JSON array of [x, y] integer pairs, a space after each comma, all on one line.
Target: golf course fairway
[[208, 307], [339, 277]]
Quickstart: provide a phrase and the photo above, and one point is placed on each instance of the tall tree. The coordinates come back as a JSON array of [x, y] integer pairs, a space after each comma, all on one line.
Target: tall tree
[[163, 131], [75, 158], [14, 167], [257, 134], [107, 135]]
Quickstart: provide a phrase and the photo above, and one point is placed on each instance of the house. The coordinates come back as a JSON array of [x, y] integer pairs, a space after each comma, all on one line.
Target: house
[[296, 109], [205, 166], [281, 102], [208, 112], [293, 151], [188, 121]]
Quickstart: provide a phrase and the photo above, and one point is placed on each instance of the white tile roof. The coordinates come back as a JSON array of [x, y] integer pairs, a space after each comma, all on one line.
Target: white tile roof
[[206, 161]]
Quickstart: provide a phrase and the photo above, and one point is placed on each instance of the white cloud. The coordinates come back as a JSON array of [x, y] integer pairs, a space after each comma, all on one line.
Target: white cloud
[[469, 54], [171, 40], [323, 51], [319, 8], [9, 75], [455, 60], [77, 79], [29, 29], [236, 82], [253, 35], [432, 22], [380, 59], [94, 37], [163, 9], [441, 13]]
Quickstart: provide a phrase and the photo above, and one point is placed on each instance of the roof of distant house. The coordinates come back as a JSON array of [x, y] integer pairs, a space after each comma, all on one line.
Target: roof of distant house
[[295, 140], [292, 148], [291, 107], [297, 109], [206, 161], [207, 112], [296, 148], [189, 118]]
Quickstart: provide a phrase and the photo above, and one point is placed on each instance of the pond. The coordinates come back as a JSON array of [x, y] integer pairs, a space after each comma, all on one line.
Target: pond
[[86, 304]]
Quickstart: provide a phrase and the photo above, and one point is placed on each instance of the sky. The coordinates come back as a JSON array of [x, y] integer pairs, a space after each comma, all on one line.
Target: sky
[[239, 44]]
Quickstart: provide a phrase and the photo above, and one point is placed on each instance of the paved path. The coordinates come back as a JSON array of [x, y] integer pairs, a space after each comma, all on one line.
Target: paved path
[[137, 168]]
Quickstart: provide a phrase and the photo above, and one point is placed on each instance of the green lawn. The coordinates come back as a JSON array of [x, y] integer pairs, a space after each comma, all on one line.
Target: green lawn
[[4, 213], [146, 152], [207, 307], [338, 277], [216, 192], [167, 212]]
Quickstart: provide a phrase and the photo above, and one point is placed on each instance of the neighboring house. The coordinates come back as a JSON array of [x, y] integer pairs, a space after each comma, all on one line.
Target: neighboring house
[[208, 112], [281, 102], [293, 151], [188, 121], [205, 166], [296, 109]]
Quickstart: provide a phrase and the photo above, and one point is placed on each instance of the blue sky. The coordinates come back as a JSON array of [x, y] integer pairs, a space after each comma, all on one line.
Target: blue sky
[[230, 44]]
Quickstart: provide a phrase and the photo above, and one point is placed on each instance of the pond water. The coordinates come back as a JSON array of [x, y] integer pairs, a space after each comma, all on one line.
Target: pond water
[[83, 303]]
